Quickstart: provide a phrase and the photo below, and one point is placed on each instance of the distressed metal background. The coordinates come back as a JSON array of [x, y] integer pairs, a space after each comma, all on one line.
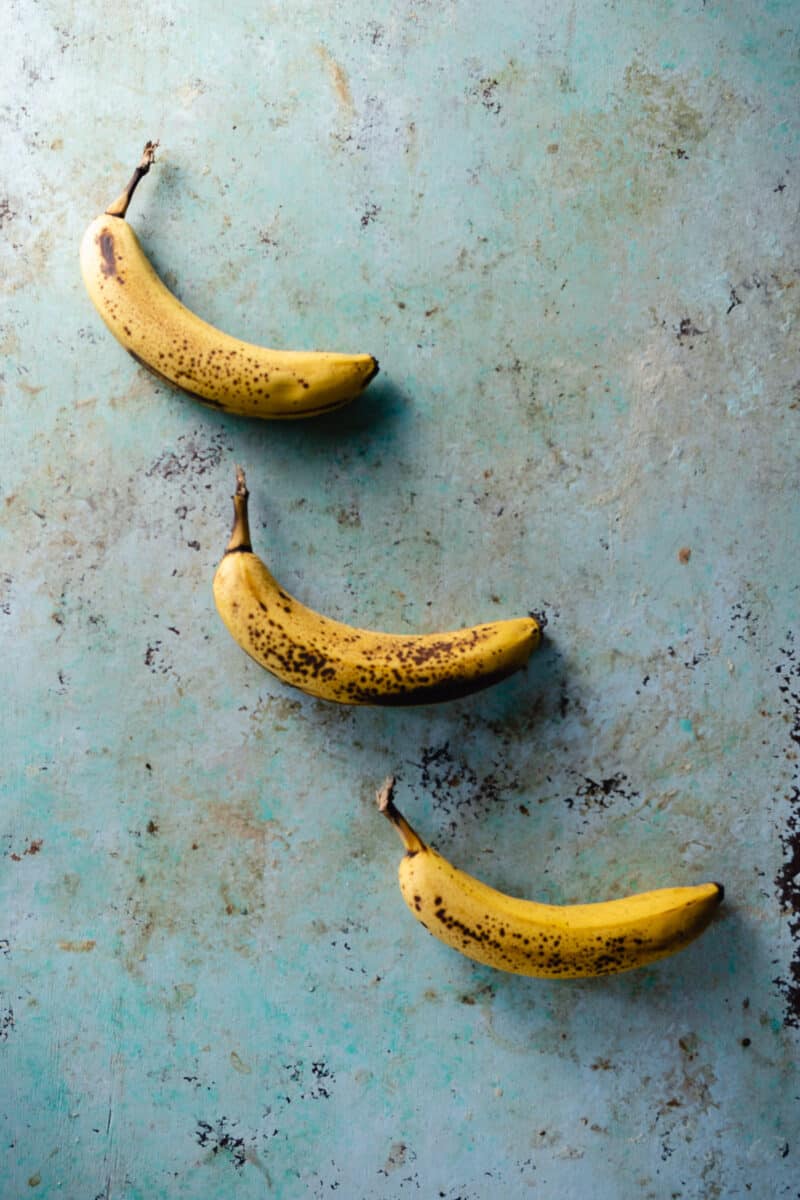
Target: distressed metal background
[[569, 232]]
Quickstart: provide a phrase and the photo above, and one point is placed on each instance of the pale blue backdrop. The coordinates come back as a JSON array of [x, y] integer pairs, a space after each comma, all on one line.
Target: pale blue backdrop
[[569, 233]]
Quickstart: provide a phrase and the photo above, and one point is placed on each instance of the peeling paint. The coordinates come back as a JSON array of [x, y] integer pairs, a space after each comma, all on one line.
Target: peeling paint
[[787, 881]]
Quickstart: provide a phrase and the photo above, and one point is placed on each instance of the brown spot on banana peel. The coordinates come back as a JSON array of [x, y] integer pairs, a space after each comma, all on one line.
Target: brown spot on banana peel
[[254, 400], [347, 665], [613, 954], [221, 406], [542, 941], [306, 667], [433, 693], [180, 387], [109, 264]]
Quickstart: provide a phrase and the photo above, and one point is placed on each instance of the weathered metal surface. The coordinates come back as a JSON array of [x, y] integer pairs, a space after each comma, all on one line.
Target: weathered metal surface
[[569, 233]]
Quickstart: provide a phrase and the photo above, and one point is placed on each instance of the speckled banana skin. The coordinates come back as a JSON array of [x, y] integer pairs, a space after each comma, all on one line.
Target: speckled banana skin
[[178, 346], [551, 941], [355, 666]]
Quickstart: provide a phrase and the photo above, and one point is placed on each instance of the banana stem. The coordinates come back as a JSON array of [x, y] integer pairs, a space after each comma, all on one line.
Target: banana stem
[[410, 839], [120, 205], [240, 534]]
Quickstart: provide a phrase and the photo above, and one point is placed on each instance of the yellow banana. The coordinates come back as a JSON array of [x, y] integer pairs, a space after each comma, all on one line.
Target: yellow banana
[[355, 666], [553, 941], [217, 369]]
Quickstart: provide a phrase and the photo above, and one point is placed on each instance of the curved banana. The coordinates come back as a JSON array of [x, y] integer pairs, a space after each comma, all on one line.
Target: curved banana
[[355, 666], [553, 941], [217, 369]]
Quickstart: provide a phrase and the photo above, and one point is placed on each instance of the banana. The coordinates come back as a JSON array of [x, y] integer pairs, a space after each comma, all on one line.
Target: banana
[[355, 666], [551, 941], [177, 346]]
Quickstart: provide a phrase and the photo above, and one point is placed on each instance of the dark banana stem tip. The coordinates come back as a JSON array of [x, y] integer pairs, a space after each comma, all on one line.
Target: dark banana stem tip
[[120, 205], [385, 801], [240, 533]]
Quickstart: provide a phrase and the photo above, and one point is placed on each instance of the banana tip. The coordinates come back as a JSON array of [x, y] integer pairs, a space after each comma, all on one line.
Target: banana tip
[[540, 618], [376, 366]]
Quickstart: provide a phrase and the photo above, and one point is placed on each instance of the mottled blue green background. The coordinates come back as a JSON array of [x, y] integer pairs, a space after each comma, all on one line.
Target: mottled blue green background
[[569, 233]]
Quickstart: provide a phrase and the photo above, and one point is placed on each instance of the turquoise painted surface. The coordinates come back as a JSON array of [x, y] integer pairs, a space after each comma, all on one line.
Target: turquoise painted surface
[[570, 235]]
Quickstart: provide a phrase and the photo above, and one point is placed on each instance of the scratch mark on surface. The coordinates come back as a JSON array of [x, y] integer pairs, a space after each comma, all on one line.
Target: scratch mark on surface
[[239, 1064]]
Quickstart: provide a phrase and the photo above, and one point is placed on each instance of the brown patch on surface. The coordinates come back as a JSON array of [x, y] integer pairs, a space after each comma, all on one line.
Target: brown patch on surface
[[240, 822], [168, 899], [684, 554], [78, 947], [650, 117], [341, 84], [396, 1157], [34, 848]]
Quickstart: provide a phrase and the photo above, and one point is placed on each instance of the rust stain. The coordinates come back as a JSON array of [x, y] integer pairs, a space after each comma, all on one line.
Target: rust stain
[[229, 842], [143, 922], [78, 947], [397, 1156], [33, 848], [684, 554], [341, 84], [240, 823], [230, 907]]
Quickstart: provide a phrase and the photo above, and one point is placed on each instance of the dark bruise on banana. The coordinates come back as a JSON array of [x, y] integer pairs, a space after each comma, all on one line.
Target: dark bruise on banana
[[341, 663], [187, 352], [550, 941]]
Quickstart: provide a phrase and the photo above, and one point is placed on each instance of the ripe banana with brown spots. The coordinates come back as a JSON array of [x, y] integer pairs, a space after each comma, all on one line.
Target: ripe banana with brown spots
[[355, 666], [552, 941], [178, 346]]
